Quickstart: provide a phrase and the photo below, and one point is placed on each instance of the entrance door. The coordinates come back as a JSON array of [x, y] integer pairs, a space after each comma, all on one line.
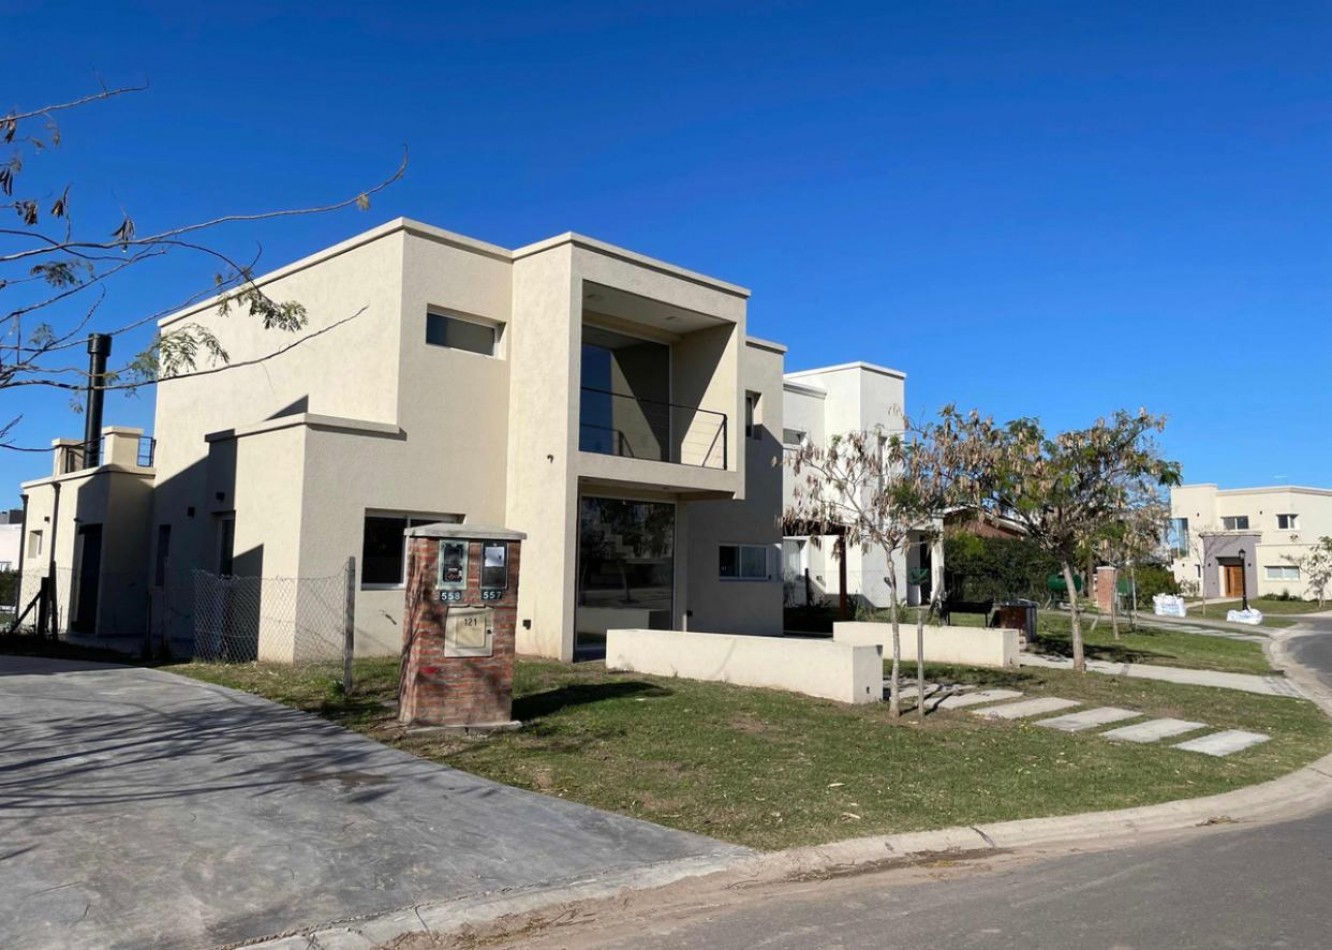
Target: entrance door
[[1234, 580], [90, 577]]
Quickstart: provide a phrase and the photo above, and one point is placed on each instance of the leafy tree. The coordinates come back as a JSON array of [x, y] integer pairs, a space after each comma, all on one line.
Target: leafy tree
[[56, 270], [1316, 566], [877, 490], [1065, 490]]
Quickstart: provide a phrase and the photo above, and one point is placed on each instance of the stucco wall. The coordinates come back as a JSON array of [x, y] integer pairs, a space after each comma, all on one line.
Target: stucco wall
[[995, 647], [838, 671]]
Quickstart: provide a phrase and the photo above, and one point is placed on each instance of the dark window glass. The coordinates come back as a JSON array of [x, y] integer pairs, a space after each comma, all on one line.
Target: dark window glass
[[460, 334], [626, 554], [381, 550], [729, 557], [163, 553]]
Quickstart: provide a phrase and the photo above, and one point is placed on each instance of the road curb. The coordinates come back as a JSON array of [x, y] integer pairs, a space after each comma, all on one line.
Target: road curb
[[1295, 795]]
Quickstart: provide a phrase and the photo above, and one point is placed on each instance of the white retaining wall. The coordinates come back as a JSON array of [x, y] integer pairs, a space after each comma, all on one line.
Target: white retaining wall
[[848, 673], [965, 646]]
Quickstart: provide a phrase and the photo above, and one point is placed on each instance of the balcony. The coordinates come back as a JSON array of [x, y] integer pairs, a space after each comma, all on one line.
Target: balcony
[[628, 426], [116, 446]]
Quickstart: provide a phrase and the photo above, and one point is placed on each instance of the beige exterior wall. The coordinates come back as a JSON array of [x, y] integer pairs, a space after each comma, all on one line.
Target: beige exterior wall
[[115, 496], [843, 672], [995, 647], [1268, 548]]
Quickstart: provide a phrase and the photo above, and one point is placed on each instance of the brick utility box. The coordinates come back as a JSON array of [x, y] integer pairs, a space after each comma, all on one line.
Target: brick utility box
[[458, 635]]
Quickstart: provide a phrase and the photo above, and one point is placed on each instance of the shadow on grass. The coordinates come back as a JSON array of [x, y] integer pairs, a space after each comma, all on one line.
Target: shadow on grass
[[538, 705], [1110, 652]]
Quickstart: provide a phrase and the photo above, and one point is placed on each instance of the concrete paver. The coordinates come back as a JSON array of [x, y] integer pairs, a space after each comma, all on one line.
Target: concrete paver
[[1153, 730], [141, 809], [978, 698], [1089, 718], [1224, 743], [1028, 707]]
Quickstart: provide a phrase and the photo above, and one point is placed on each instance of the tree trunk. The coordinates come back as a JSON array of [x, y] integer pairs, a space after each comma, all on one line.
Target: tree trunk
[[895, 677], [920, 663], [1079, 663]]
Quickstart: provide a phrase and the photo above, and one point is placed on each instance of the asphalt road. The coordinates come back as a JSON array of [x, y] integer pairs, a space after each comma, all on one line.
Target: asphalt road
[[1263, 887], [141, 809]]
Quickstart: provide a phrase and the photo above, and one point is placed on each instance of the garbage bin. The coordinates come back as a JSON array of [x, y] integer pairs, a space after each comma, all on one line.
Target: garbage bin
[[1019, 615]]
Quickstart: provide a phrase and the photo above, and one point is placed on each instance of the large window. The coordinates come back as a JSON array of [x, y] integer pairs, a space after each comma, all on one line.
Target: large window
[[744, 562], [1235, 523], [384, 546], [1288, 522], [1282, 572], [626, 554], [459, 334], [1177, 536]]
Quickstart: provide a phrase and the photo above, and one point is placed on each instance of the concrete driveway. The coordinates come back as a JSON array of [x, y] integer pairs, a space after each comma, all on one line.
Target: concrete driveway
[[142, 809]]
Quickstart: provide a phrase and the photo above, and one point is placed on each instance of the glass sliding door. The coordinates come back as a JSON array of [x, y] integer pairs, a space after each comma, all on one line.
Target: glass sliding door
[[626, 567]]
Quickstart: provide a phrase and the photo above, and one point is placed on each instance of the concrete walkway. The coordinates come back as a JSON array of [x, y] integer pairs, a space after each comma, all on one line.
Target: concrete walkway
[[142, 809], [1245, 682]]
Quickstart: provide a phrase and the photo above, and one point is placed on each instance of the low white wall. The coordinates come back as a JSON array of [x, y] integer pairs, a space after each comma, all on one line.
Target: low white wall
[[964, 646], [842, 671]]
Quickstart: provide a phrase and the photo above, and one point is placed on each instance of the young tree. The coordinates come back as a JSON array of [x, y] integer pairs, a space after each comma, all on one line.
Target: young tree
[[56, 270], [877, 490], [1316, 566], [1065, 490], [1131, 538]]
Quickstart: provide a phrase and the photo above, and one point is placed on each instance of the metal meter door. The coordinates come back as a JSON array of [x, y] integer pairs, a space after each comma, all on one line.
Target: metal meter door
[[469, 631], [451, 581]]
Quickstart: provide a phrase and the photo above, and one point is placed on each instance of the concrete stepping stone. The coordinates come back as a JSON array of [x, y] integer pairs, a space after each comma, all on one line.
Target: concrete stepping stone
[[1153, 730], [1028, 707], [1224, 743], [1089, 718], [978, 698]]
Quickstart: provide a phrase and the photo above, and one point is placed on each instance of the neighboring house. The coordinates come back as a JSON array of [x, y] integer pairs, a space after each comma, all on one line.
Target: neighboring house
[[819, 404], [1228, 540], [609, 405], [11, 539]]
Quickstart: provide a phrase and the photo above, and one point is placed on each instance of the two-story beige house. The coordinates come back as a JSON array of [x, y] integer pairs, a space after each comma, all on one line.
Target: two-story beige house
[[611, 406], [1228, 541]]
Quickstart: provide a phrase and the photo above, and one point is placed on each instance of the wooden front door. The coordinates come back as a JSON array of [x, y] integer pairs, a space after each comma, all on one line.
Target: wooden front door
[[1234, 580]]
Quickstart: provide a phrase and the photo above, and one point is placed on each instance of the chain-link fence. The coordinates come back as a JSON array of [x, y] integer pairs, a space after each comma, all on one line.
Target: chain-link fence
[[271, 619], [296, 620]]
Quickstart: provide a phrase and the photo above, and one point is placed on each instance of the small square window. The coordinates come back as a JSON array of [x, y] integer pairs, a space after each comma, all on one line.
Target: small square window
[[793, 436], [1235, 523], [744, 562], [1288, 522], [458, 334]]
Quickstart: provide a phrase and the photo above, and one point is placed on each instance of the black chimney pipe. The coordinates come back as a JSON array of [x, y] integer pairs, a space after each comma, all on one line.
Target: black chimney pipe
[[99, 348]]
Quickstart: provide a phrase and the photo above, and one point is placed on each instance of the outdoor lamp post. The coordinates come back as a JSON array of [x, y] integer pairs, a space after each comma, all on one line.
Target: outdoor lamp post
[[1244, 581]]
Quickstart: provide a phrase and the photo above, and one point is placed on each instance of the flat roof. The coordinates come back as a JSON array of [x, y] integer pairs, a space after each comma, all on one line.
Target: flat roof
[[463, 242], [1256, 491], [857, 365]]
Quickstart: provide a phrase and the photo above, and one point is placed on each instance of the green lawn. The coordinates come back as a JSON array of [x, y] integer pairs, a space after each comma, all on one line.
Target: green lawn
[[1216, 610], [1161, 647], [771, 769]]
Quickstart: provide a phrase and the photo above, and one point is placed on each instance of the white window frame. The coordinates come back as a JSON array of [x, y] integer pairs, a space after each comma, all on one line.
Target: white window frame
[[1235, 519], [496, 352], [35, 541], [413, 519], [740, 577], [1292, 522], [1281, 572]]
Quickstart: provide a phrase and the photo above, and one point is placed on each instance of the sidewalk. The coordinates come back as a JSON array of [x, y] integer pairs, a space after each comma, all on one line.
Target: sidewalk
[[1245, 682]]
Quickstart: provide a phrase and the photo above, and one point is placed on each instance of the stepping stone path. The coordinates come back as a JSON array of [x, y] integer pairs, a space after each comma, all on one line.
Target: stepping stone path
[[1089, 719], [1028, 707], [977, 698], [1223, 743], [1153, 730]]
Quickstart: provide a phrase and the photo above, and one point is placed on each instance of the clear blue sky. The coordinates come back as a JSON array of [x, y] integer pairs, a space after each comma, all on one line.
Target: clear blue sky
[[1045, 209]]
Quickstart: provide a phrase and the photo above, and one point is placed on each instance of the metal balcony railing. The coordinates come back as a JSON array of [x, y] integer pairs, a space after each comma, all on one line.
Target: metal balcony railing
[[613, 423]]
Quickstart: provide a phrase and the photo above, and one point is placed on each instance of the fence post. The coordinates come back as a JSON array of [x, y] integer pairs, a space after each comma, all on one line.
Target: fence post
[[349, 628]]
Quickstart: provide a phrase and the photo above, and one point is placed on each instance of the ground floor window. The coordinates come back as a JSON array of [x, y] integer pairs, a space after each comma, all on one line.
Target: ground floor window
[[384, 545], [626, 553], [1282, 572], [744, 562]]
